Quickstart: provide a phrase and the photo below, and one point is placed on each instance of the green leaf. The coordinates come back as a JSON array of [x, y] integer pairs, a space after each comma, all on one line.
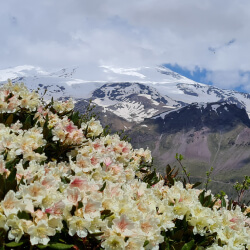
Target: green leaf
[[201, 197], [103, 187], [46, 132], [207, 200], [179, 157], [11, 182], [196, 184], [75, 118], [12, 175], [23, 215], [73, 210], [27, 124], [9, 120], [80, 205], [97, 234], [146, 243], [10, 164], [65, 180], [2, 187], [178, 235], [41, 246], [1, 118], [177, 245], [151, 178], [229, 207], [170, 179], [188, 246], [168, 169], [14, 244], [223, 202], [106, 213], [211, 205], [60, 246], [219, 242], [39, 150]]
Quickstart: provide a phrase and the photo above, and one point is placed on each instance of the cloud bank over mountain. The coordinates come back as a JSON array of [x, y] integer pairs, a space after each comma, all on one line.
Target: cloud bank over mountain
[[211, 35]]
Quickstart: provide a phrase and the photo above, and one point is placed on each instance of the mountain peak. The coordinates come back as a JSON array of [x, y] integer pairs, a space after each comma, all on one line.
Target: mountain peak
[[132, 101], [216, 115], [166, 71], [121, 90]]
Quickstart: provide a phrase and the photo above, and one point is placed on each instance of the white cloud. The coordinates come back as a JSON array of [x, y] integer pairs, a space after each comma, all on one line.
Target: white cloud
[[229, 79], [128, 34]]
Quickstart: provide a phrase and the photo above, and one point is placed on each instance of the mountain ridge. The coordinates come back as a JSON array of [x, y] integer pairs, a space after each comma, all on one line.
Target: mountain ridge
[[171, 88], [64, 82]]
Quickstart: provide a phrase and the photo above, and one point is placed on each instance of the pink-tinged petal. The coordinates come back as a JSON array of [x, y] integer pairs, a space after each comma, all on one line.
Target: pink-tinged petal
[[78, 182], [70, 128], [108, 161], [74, 195], [57, 209]]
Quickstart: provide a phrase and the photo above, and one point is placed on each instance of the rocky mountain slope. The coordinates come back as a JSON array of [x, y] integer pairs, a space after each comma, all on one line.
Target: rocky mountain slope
[[132, 101], [207, 135]]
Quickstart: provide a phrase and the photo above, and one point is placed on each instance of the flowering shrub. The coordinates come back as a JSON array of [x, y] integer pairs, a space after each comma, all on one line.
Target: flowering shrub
[[66, 184]]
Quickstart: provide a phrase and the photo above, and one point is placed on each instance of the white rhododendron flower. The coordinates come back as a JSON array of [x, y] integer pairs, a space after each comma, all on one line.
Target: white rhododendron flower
[[10, 204], [40, 233], [3, 221], [123, 225], [62, 107], [64, 176], [78, 226], [17, 230], [93, 127], [114, 242]]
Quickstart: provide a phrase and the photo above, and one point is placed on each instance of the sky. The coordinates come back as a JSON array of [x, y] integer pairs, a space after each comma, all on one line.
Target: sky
[[205, 40]]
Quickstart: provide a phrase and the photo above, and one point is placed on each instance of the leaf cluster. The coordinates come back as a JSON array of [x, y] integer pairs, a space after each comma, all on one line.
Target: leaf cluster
[[182, 237]]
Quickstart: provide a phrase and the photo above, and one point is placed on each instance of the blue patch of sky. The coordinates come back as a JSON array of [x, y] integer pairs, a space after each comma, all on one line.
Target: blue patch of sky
[[241, 88], [197, 74]]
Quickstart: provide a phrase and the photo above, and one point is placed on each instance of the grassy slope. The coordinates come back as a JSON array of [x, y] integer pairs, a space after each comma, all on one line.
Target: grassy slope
[[226, 151]]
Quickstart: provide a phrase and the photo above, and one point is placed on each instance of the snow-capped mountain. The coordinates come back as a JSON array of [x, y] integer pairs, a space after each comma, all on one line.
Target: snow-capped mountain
[[59, 83], [134, 93], [132, 101], [197, 92], [216, 115]]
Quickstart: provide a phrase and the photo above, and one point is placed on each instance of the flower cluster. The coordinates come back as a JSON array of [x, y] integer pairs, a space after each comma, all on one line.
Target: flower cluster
[[16, 142], [17, 97], [67, 181]]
